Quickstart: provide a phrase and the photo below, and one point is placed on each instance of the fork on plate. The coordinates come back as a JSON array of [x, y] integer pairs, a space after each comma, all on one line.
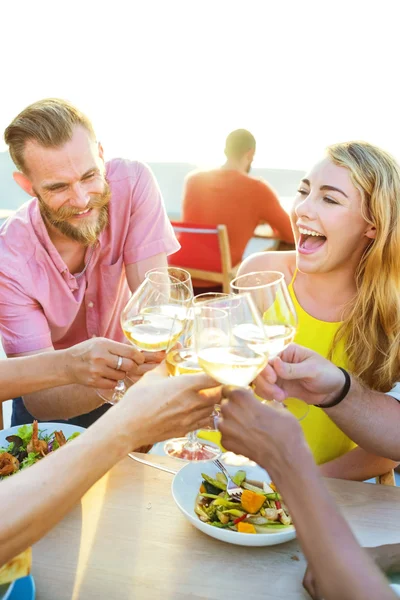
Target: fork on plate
[[234, 491]]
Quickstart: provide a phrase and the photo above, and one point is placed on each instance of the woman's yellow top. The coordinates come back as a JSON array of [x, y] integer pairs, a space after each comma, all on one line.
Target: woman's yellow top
[[325, 439]]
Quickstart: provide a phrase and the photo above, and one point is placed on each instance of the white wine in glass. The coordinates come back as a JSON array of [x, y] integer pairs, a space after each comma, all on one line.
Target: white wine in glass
[[180, 361], [271, 296], [155, 315], [151, 330], [229, 358], [184, 359]]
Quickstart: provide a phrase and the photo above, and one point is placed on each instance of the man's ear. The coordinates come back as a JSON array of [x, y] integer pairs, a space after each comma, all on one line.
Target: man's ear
[[101, 151], [371, 232], [23, 182]]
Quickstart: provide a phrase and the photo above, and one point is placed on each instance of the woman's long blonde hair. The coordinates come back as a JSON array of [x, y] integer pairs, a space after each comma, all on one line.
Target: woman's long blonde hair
[[371, 329]]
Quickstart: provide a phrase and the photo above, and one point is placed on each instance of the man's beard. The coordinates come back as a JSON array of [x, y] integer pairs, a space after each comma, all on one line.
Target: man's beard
[[87, 233]]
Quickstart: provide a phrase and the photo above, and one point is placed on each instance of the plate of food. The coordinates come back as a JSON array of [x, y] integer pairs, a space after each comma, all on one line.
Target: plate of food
[[260, 518], [23, 446]]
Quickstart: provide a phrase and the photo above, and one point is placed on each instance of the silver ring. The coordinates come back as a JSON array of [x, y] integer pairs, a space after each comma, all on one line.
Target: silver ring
[[119, 363]]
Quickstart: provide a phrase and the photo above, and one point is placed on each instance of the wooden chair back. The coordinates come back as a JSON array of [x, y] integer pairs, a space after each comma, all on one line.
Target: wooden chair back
[[205, 253]]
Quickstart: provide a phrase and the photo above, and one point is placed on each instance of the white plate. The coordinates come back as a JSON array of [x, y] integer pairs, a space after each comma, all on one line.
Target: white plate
[[185, 488], [47, 428]]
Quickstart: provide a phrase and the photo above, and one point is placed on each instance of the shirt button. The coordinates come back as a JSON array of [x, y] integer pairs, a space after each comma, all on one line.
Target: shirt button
[[90, 304]]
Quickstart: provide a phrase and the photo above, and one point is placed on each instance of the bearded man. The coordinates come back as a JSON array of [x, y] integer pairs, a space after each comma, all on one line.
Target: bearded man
[[70, 255]]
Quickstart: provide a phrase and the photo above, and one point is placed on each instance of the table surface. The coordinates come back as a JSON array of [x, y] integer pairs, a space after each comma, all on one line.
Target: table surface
[[127, 539]]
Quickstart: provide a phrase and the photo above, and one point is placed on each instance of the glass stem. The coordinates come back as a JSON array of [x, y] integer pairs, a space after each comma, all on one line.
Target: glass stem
[[119, 391], [191, 440]]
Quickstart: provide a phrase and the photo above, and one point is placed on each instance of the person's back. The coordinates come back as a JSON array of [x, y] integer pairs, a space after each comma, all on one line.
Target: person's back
[[230, 196]]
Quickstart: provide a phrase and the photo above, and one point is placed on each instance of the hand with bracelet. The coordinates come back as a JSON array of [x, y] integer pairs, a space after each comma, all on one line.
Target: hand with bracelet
[[302, 373], [369, 417]]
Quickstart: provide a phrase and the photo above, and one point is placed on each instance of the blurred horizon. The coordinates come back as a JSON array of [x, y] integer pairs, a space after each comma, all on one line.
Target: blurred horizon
[[170, 177], [166, 82]]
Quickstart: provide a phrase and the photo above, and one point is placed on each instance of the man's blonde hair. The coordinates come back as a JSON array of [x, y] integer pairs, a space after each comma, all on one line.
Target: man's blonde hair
[[49, 122]]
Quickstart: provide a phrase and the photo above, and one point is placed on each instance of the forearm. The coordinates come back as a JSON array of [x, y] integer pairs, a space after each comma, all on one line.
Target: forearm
[[387, 557], [62, 402], [37, 498], [342, 569], [371, 419], [28, 374], [357, 465]]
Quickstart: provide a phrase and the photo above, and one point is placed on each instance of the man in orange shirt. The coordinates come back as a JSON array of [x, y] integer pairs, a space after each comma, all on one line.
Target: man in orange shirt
[[229, 196]]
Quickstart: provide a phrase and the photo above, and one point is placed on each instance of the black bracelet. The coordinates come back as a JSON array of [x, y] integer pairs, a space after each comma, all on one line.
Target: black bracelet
[[343, 393]]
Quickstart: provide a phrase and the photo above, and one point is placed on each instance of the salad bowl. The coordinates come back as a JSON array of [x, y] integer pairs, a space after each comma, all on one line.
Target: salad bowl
[[185, 489]]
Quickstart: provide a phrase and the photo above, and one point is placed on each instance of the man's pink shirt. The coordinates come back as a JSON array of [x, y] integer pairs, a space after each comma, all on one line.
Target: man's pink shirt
[[42, 304]]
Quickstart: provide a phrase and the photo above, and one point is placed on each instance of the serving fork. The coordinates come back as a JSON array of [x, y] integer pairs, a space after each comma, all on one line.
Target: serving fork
[[234, 491]]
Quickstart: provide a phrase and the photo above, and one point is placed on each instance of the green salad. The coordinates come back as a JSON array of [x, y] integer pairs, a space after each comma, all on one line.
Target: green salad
[[260, 510], [29, 445]]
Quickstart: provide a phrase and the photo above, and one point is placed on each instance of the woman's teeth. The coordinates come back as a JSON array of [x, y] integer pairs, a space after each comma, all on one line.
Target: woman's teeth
[[309, 232]]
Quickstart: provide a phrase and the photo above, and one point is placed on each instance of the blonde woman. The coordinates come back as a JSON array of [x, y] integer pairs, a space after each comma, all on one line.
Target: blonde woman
[[344, 279]]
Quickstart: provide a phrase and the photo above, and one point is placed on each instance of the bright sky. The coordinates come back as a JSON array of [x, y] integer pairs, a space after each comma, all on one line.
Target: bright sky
[[167, 80]]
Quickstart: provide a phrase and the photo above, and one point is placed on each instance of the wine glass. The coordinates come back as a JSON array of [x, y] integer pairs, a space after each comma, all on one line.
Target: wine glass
[[180, 360], [114, 395], [156, 313], [230, 339], [176, 272], [154, 316], [271, 296]]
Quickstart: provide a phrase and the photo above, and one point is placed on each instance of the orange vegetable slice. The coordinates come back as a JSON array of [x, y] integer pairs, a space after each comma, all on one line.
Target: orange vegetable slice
[[251, 501], [246, 527]]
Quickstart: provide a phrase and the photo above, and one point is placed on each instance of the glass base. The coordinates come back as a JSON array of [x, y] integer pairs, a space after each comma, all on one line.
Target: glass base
[[298, 408], [184, 449], [116, 394]]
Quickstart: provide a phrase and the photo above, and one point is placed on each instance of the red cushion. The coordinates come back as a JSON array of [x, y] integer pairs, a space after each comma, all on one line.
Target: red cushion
[[198, 250]]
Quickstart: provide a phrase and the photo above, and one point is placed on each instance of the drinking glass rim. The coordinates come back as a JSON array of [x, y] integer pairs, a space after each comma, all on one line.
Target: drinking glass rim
[[211, 303], [166, 269], [280, 278], [175, 282], [217, 296]]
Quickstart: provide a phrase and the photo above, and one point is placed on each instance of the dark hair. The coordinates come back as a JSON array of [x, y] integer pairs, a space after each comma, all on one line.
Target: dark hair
[[238, 143]]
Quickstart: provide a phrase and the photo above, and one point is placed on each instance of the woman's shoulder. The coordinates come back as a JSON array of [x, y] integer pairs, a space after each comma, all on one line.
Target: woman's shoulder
[[270, 261]]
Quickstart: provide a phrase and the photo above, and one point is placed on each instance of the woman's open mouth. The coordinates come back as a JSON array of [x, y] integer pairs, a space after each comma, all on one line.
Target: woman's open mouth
[[310, 241]]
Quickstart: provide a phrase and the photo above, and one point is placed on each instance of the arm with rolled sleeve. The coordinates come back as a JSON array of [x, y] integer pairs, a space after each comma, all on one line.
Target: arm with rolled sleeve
[[151, 237], [23, 325], [25, 330]]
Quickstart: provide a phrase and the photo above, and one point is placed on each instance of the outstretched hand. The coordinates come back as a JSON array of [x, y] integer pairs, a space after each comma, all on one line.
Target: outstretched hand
[[300, 373]]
